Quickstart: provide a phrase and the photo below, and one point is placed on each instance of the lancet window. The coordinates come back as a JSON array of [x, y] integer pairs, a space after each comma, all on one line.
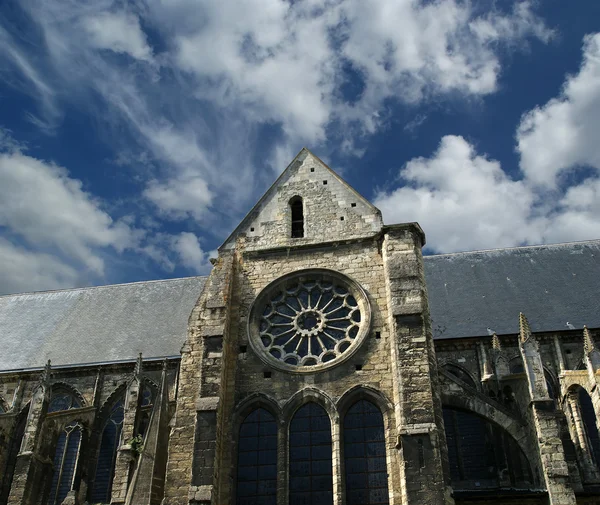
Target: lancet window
[[310, 457], [107, 455], [257, 460], [364, 455], [65, 461]]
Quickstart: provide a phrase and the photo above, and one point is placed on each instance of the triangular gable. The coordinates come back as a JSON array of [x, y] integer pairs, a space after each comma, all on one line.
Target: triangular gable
[[333, 210]]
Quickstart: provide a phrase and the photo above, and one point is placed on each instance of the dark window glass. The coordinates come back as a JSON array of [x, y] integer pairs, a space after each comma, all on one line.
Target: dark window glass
[[257, 460], [63, 401], [479, 452], [65, 461], [107, 455], [310, 457], [297, 217], [364, 455], [589, 421]]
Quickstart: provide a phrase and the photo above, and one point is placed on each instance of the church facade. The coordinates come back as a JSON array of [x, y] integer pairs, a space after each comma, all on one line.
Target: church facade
[[324, 360]]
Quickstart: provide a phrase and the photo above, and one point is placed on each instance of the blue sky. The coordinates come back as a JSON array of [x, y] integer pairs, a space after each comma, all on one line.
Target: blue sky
[[134, 136]]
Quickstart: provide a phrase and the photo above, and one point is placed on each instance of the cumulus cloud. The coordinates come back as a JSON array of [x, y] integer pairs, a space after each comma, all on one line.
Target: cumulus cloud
[[54, 234], [190, 253], [119, 32], [466, 201], [23, 270], [180, 198], [561, 135], [463, 200], [46, 207]]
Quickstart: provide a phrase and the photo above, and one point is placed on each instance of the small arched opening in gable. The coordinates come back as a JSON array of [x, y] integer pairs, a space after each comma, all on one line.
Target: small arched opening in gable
[[297, 213]]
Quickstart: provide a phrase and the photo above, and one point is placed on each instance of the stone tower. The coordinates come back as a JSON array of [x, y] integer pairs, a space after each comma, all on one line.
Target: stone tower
[[314, 320]]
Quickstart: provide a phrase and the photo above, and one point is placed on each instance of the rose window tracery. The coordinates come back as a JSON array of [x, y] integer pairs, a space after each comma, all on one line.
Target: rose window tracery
[[308, 320]]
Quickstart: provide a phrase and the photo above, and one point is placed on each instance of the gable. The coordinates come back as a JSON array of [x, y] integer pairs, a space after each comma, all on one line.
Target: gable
[[332, 210]]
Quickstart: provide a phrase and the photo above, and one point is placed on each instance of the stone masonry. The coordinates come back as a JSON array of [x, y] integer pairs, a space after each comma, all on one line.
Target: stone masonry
[[499, 419]]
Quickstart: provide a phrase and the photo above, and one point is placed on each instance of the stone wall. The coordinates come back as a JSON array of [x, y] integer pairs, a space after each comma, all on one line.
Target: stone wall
[[26, 480]]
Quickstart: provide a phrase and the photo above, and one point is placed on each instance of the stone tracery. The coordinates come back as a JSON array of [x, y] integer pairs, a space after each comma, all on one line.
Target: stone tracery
[[309, 319]]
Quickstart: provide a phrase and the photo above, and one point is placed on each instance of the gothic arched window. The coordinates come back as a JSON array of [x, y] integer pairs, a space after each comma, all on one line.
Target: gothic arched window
[[65, 463], [310, 457], [63, 400], [364, 455], [589, 422], [482, 454], [257, 460], [297, 210], [109, 443]]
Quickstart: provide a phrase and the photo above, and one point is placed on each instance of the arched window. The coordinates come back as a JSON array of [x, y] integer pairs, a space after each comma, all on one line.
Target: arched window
[[109, 443], [63, 400], [482, 454], [310, 457], [364, 455], [257, 460], [461, 374], [588, 416], [297, 211], [65, 463]]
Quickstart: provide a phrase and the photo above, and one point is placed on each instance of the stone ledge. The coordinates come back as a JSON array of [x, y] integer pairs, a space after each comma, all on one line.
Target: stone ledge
[[206, 404]]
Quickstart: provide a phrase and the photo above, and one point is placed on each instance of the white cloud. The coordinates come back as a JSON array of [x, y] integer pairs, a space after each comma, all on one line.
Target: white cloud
[[562, 134], [34, 83], [190, 253], [465, 201], [577, 216], [47, 208], [222, 70], [180, 198], [119, 32], [22, 270], [279, 61], [461, 199]]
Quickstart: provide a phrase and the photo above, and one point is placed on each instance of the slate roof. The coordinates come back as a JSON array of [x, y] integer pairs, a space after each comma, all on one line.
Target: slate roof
[[552, 284], [98, 324]]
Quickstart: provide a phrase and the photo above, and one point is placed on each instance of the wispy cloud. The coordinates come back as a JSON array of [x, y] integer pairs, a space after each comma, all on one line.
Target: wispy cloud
[[183, 93]]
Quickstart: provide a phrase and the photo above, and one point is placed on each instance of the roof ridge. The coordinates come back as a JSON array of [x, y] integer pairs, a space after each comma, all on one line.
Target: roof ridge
[[87, 288], [531, 246]]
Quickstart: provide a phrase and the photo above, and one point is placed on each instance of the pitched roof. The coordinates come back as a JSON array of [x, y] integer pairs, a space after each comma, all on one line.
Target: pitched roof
[[291, 173], [98, 324], [552, 285]]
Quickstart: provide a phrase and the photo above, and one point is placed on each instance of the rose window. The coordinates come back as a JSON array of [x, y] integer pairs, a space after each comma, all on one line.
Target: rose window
[[307, 320]]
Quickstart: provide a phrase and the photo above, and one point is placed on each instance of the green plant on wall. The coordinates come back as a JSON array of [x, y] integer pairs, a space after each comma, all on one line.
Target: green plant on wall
[[137, 444]]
